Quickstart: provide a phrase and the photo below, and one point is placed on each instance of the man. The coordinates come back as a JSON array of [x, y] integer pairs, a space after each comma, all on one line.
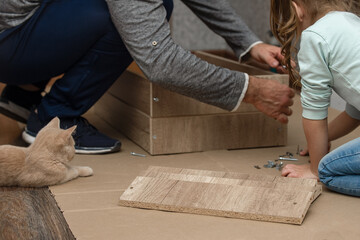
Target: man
[[92, 42]]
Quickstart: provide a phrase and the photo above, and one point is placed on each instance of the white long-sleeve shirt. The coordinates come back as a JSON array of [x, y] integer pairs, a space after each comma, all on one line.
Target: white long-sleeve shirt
[[329, 59]]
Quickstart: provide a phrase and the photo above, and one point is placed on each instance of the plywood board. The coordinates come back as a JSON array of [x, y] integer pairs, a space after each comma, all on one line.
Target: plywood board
[[236, 195], [218, 131]]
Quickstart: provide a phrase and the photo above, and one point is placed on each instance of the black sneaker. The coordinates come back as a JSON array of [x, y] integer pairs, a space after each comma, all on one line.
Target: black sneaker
[[88, 140], [16, 103]]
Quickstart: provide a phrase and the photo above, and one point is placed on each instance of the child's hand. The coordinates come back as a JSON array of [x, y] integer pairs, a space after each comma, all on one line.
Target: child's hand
[[298, 171], [304, 152]]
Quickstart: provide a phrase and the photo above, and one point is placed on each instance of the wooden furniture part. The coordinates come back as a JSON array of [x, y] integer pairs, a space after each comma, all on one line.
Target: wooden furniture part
[[31, 213], [10, 130], [235, 195], [164, 122]]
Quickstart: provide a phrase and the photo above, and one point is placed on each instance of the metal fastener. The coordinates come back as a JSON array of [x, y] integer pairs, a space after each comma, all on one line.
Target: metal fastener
[[288, 159], [287, 154], [156, 99], [270, 164], [154, 43], [137, 154], [279, 166]]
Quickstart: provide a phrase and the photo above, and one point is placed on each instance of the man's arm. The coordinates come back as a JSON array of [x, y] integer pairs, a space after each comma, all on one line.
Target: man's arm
[[145, 31], [220, 17]]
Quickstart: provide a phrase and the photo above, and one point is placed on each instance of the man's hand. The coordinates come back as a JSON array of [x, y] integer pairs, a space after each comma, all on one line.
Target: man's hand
[[298, 171], [270, 97], [268, 54]]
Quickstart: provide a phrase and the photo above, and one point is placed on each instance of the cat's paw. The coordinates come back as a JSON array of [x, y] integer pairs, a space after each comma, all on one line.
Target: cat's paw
[[85, 171]]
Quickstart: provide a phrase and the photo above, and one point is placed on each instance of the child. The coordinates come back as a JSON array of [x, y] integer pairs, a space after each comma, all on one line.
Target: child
[[329, 59]]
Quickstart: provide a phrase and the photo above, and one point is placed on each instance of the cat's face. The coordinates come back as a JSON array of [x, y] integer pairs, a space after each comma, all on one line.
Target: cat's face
[[56, 140]]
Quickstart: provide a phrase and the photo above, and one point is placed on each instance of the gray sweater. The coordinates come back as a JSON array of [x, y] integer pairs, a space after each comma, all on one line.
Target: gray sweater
[[145, 31]]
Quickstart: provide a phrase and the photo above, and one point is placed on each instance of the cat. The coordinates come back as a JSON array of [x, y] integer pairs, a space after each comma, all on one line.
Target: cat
[[44, 162]]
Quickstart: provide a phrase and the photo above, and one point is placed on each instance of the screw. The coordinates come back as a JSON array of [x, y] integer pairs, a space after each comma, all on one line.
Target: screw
[[270, 164], [156, 99], [137, 154], [288, 159], [279, 166]]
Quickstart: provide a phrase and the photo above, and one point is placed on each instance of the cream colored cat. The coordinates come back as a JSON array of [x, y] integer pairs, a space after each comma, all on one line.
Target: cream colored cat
[[43, 163]]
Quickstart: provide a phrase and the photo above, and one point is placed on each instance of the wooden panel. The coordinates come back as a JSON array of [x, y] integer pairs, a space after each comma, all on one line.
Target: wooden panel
[[31, 213], [221, 53], [133, 89], [10, 130], [255, 197], [283, 78], [231, 64], [194, 133], [244, 179], [130, 121], [176, 124], [209, 132], [171, 104]]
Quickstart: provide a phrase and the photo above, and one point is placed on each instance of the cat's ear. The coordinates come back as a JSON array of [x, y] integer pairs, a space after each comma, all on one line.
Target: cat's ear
[[68, 132], [55, 123], [71, 130]]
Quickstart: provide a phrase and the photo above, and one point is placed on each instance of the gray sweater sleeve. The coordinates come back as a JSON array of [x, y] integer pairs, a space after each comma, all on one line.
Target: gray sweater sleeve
[[145, 31], [15, 12], [219, 16]]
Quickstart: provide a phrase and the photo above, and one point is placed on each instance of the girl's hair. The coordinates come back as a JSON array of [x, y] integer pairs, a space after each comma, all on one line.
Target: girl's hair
[[284, 24]]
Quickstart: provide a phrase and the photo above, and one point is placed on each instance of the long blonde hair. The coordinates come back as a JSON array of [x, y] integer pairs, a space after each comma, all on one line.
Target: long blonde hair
[[284, 23]]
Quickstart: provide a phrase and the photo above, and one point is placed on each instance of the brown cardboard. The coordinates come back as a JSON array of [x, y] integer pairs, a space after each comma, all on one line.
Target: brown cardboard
[[91, 208]]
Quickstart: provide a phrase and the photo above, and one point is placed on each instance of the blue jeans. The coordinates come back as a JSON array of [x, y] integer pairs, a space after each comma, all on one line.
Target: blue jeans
[[75, 37], [340, 169]]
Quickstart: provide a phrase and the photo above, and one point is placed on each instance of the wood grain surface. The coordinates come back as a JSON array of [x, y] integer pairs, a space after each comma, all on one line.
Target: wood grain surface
[[236, 195], [31, 213]]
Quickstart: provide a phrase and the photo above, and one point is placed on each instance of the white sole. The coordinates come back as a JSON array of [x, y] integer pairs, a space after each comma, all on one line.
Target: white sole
[[27, 137], [30, 139]]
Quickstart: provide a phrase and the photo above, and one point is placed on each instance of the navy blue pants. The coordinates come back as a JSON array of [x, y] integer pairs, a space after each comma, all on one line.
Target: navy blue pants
[[75, 37]]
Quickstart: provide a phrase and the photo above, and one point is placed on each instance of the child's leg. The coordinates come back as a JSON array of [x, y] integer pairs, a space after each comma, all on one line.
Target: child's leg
[[340, 169]]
